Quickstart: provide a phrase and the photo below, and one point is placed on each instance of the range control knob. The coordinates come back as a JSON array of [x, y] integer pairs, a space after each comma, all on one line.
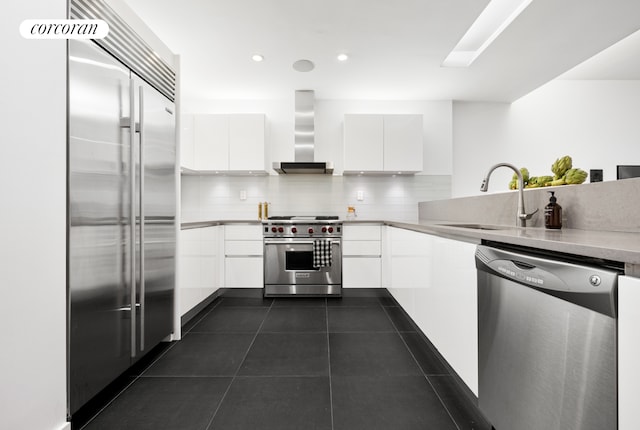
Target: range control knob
[[280, 230], [294, 230], [324, 229], [273, 229], [330, 229], [310, 230]]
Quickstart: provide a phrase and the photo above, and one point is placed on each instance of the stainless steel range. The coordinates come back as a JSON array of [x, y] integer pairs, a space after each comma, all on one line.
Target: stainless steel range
[[302, 256]]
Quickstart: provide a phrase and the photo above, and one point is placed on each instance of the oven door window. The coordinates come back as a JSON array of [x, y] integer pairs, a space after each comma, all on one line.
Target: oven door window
[[299, 260]]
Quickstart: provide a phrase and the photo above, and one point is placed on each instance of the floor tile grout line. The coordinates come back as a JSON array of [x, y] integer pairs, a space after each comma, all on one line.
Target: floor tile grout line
[[224, 396], [329, 364], [109, 403], [142, 373], [216, 303], [423, 373]]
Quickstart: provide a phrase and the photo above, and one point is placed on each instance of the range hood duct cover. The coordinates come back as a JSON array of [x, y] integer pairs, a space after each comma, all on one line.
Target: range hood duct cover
[[304, 139]]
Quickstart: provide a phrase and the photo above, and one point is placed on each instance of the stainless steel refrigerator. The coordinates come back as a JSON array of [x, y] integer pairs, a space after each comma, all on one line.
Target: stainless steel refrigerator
[[121, 219]]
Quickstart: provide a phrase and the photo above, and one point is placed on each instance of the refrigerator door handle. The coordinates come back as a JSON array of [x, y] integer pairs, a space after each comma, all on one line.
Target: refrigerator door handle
[[132, 214], [142, 217]]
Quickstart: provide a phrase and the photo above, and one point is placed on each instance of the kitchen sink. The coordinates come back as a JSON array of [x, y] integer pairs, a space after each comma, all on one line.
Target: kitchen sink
[[474, 226]]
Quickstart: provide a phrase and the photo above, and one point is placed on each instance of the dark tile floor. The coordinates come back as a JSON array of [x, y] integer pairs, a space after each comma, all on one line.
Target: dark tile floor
[[251, 363]]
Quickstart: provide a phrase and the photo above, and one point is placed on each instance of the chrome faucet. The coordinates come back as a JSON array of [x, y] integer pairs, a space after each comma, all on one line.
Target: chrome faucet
[[522, 216]]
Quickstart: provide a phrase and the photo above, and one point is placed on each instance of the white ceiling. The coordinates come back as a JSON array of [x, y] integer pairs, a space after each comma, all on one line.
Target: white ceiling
[[396, 47]]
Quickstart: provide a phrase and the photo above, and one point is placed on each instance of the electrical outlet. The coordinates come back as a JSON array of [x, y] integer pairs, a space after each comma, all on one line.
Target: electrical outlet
[[243, 194], [360, 195]]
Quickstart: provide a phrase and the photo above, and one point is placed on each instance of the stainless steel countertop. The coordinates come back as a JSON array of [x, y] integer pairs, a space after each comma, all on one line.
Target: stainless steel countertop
[[610, 245]]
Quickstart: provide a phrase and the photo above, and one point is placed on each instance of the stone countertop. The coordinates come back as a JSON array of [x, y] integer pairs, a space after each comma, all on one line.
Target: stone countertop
[[213, 223], [608, 245]]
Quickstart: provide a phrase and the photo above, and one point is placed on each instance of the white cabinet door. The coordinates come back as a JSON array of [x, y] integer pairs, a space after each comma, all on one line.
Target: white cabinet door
[[361, 272], [450, 306], [383, 143], [403, 143], [246, 142], [628, 351], [245, 272], [434, 279], [410, 254], [199, 265], [211, 142], [229, 142], [363, 142]]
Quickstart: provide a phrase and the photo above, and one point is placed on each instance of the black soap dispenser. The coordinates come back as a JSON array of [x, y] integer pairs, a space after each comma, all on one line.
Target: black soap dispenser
[[553, 213]]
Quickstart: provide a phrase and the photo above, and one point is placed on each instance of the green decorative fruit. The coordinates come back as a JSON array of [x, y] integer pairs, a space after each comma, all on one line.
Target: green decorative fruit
[[560, 166], [575, 176]]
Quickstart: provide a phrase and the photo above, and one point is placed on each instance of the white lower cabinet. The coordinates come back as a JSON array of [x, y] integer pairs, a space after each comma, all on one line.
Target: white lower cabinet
[[243, 251], [200, 265], [361, 256], [628, 351], [243, 272], [361, 272], [434, 279]]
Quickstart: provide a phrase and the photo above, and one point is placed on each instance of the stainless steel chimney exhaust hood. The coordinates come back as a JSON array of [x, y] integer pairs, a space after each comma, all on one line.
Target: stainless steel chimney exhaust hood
[[304, 140]]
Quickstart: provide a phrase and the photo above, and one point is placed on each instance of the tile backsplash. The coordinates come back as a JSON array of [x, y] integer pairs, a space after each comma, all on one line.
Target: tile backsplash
[[207, 198]]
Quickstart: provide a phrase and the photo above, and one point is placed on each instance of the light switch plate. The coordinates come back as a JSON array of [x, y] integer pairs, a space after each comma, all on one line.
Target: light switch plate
[[360, 195], [243, 194]]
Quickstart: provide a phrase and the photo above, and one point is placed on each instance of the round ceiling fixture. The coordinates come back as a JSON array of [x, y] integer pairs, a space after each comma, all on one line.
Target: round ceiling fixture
[[342, 57], [303, 66], [257, 58]]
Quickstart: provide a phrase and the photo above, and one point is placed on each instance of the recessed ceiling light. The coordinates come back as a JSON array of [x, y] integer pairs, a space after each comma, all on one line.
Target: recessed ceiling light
[[343, 57], [257, 58], [490, 23]]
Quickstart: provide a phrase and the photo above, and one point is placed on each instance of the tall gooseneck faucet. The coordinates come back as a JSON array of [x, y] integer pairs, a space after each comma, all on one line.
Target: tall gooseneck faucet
[[522, 216]]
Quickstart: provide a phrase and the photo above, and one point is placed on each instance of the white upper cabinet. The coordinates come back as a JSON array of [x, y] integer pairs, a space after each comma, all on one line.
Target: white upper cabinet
[[382, 143], [224, 142], [246, 142], [211, 142], [363, 143], [403, 143]]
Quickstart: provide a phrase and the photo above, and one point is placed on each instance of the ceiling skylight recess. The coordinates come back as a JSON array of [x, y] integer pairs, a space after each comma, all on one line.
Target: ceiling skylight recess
[[486, 28]]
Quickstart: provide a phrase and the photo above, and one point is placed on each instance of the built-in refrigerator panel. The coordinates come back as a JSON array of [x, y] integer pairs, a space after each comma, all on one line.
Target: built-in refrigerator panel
[[122, 185], [99, 221], [157, 155]]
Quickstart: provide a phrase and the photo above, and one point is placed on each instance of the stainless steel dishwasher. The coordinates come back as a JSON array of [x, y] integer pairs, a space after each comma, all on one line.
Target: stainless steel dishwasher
[[547, 341]]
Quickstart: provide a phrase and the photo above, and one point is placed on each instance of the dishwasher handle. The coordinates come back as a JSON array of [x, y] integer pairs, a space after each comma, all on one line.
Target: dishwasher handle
[[591, 287]]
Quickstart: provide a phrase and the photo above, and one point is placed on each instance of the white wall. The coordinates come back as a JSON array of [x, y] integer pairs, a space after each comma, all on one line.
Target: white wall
[[33, 177], [595, 122]]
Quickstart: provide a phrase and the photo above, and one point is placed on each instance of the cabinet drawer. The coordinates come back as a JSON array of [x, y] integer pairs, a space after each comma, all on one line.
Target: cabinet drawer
[[361, 232], [243, 247], [243, 232], [361, 247]]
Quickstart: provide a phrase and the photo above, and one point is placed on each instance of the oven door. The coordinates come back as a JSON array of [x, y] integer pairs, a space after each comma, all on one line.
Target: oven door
[[288, 268]]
